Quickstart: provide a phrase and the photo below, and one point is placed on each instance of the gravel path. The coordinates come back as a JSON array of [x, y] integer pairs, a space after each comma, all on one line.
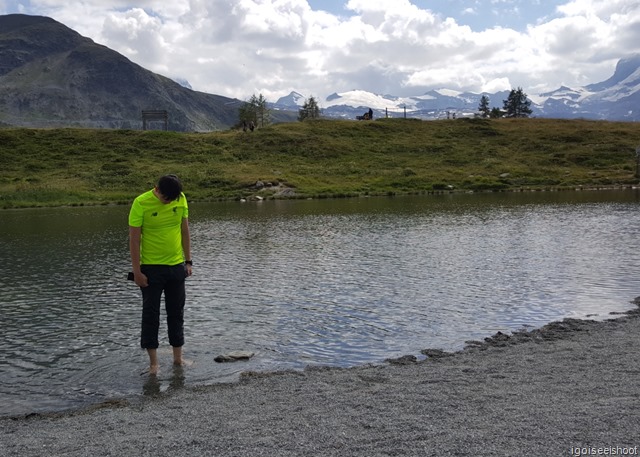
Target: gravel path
[[571, 384]]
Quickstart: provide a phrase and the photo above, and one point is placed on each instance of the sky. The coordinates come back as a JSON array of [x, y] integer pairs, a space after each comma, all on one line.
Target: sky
[[240, 48]]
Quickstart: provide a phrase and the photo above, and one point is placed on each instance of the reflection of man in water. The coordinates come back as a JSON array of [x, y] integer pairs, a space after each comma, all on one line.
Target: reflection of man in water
[[160, 246]]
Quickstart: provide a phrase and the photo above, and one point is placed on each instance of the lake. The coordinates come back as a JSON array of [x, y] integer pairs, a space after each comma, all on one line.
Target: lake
[[312, 282]]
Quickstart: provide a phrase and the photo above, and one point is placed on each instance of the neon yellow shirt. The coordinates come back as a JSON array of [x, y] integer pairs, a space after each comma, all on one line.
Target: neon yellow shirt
[[161, 235]]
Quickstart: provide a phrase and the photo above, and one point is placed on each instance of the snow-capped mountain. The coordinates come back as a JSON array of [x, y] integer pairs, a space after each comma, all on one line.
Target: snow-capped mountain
[[183, 82], [617, 98], [435, 104], [293, 100], [563, 102]]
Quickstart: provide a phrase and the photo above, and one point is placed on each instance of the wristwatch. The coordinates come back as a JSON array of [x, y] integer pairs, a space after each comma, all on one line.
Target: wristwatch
[[189, 262]]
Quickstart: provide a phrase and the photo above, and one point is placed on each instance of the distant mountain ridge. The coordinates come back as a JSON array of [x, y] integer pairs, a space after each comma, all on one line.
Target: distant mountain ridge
[[51, 76], [617, 98]]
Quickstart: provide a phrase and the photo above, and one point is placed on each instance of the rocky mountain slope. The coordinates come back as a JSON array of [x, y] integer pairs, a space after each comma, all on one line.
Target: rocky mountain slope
[[51, 76]]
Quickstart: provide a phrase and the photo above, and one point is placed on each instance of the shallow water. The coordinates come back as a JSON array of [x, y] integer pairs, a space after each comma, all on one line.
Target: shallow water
[[333, 282]]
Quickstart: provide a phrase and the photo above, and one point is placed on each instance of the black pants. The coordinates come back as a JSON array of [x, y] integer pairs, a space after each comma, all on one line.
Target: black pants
[[170, 280]]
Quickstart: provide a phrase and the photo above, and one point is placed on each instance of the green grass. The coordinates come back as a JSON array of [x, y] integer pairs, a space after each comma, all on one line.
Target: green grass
[[325, 158]]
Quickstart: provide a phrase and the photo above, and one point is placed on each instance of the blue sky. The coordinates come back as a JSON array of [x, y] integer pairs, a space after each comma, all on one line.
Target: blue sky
[[400, 47], [477, 14]]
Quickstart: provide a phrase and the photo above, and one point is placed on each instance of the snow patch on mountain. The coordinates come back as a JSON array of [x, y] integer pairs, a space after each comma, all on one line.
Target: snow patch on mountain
[[364, 99]]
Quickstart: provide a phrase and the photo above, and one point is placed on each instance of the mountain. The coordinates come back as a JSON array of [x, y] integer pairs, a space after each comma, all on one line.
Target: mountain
[[51, 76], [624, 69], [617, 98], [293, 100]]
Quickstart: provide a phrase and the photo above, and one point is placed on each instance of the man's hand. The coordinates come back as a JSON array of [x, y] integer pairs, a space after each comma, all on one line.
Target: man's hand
[[140, 279]]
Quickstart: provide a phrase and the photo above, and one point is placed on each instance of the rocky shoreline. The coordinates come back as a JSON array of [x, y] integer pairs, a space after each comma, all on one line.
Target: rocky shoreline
[[568, 388]]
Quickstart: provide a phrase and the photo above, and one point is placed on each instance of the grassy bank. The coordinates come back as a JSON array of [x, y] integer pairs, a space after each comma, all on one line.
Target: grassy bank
[[42, 167]]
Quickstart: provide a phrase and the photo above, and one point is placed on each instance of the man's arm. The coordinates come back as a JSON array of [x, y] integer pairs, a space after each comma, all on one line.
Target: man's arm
[[186, 242], [135, 234]]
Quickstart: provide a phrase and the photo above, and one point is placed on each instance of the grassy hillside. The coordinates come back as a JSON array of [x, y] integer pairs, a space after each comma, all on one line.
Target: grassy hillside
[[43, 167]]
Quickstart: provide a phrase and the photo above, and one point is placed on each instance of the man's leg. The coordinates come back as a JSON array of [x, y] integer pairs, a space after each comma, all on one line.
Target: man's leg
[[151, 297], [154, 366], [177, 356], [175, 297]]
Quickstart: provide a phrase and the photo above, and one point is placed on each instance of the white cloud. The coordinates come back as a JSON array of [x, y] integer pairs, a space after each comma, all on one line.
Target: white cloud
[[496, 85], [136, 33], [238, 48]]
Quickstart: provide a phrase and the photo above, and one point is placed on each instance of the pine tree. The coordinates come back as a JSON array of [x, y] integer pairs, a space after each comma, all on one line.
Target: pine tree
[[484, 109], [248, 112], [496, 113], [517, 104], [264, 113], [255, 112], [309, 110]]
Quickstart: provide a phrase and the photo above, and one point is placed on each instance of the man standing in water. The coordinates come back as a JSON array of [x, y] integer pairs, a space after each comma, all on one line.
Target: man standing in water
[[160, 246]]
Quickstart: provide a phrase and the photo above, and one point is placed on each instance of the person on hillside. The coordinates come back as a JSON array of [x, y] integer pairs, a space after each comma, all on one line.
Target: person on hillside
[[160, 245]]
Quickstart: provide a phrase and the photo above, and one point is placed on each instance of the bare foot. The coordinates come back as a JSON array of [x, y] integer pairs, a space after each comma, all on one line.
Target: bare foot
[[154, 369], [183, 363]]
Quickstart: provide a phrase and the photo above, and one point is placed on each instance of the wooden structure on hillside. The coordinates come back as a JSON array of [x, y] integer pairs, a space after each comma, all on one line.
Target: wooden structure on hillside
[[155, 116]]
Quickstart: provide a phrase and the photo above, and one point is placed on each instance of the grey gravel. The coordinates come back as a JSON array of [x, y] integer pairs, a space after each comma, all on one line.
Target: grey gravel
[[539, 393]]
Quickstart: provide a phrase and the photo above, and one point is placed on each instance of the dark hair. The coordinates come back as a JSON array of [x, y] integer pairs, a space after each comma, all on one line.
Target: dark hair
[[170, 187]]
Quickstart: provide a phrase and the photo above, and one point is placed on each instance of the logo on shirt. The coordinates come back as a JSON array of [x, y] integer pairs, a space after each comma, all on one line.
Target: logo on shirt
[[154, 214]]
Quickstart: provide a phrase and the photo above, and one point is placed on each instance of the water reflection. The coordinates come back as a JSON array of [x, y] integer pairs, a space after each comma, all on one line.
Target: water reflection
[[338, 282], [155, 386]]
